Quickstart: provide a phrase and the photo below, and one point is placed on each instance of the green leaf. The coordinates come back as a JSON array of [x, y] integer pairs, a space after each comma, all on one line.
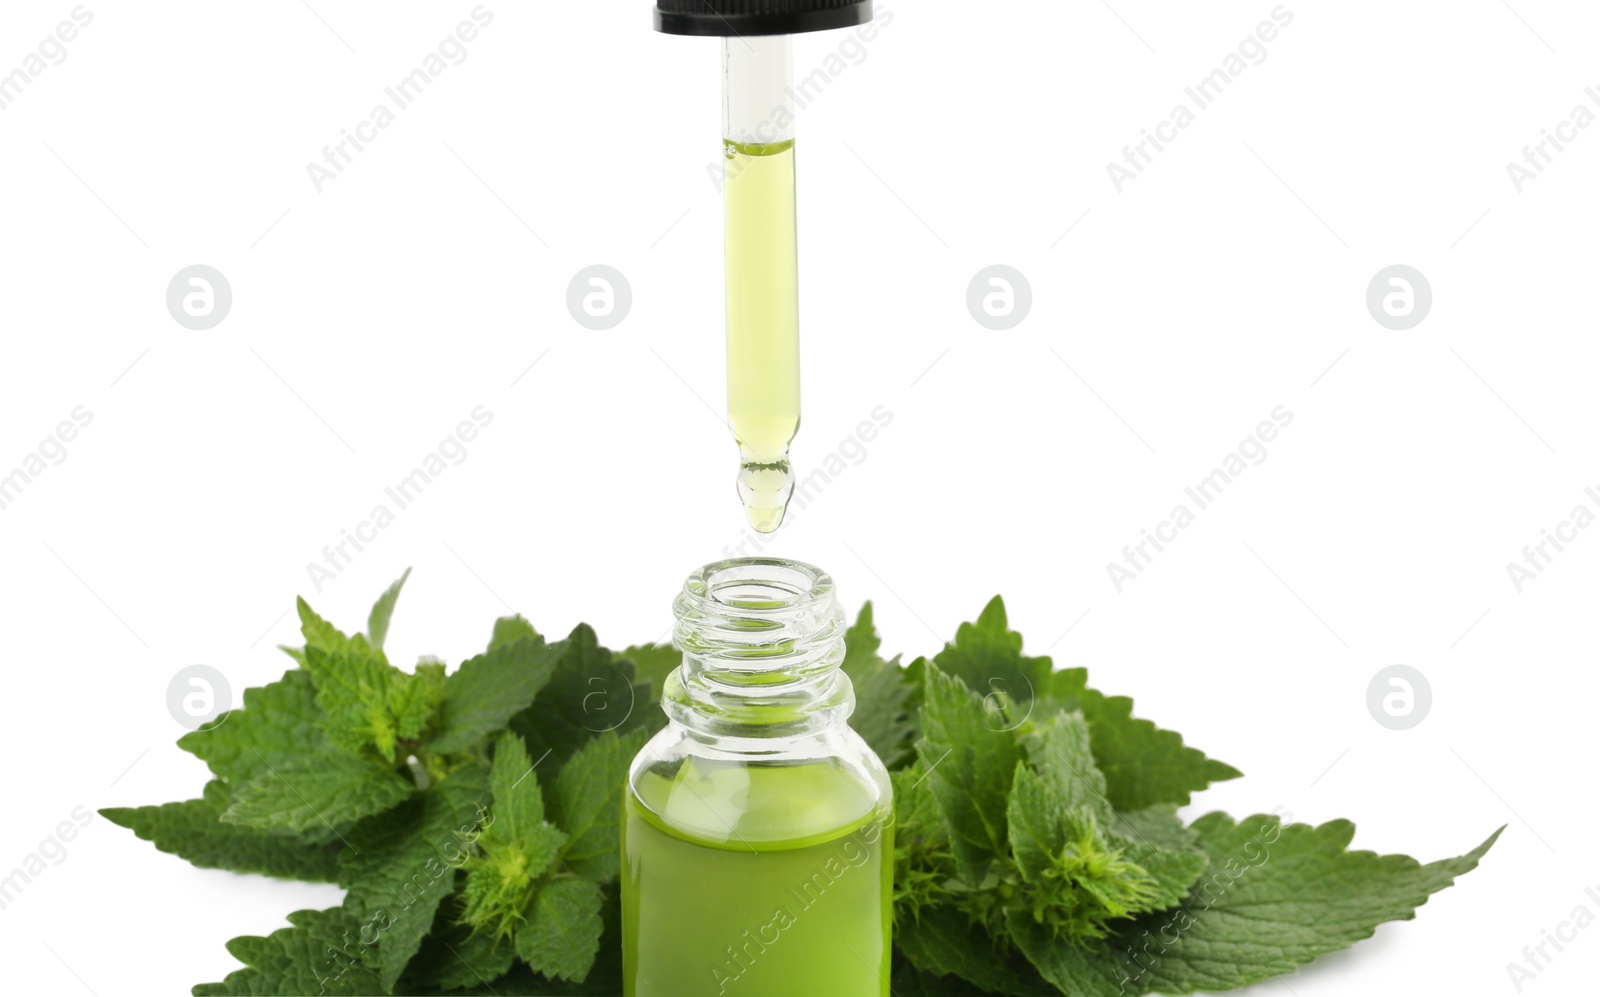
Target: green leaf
[[1059, 751], [318, 632], [969, 769], [1143, 764], [1087, 968], [319, 954], [415, 702], [353, 686], [1157, 840], [861, 641], [518, 805], [1274, 898], [192, 831], [367, 702], [277, 724], [906, 980], [1035, 822], [483, 694], [944, 942], [652, 663], [1078, 878], [518, 845], [604, 978], [590, 692], [383, 611], [510, 629], [1174, 872], [987, 656], [315, 791], [563, 931], [586, 802], [1259, 913], [402, 864], [923, 862], [883, 694], [354, 683], [454, 957], [1157, 825], [1081, 875]]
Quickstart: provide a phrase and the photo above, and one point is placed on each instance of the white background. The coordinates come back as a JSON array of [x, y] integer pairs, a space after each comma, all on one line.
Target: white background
[[1228, 279]]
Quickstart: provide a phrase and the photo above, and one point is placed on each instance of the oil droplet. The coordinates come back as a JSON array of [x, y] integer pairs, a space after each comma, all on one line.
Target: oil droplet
[[765, 490]]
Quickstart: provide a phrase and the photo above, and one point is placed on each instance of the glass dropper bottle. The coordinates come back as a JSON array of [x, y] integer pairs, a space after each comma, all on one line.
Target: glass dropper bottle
[[763, 293], [758, 828]]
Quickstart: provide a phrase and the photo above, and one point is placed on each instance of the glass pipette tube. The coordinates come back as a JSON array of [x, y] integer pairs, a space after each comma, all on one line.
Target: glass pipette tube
[[763, 296]]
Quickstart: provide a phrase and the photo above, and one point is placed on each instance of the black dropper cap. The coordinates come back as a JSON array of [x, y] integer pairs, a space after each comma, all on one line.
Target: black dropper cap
[[729, 18]]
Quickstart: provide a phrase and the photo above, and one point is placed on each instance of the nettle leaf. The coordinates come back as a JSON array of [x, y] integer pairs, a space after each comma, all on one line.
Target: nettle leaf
[[987, 656], [1036, 823], [586, 802], [1078, 877], [604, 978], [319, 954], [193, 831], [518, 805], [353, 689], [318, 632], [1142, 763], [1083, 872], [415, 702], [883, 694], [454, 957], [1082, 969], [943, 942], [367, 702], [923, 862], [383, 612], [319, 790], [1157, 825], [590, 691], [562, 934], [509, 629], [483, 694], [517, 844], [402, 864], [861, 641], [277, 724], [969, 766], [907, 980], [1273, 898], [1157, 840], [1278, 897], [1173, 872], [1059, 751]]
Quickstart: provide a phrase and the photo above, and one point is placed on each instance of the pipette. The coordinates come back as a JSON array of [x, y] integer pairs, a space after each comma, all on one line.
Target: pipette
[[763, 295]]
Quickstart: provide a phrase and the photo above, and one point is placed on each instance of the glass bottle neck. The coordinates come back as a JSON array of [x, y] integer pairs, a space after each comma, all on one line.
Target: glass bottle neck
[[762, 642]]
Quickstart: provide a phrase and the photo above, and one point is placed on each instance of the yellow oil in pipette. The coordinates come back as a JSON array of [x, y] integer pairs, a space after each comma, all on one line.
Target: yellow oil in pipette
[[763, 287]]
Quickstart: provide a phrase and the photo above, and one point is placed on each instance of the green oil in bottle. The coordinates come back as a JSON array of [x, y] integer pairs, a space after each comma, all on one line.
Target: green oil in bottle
[[756, 880], [763, 304]]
